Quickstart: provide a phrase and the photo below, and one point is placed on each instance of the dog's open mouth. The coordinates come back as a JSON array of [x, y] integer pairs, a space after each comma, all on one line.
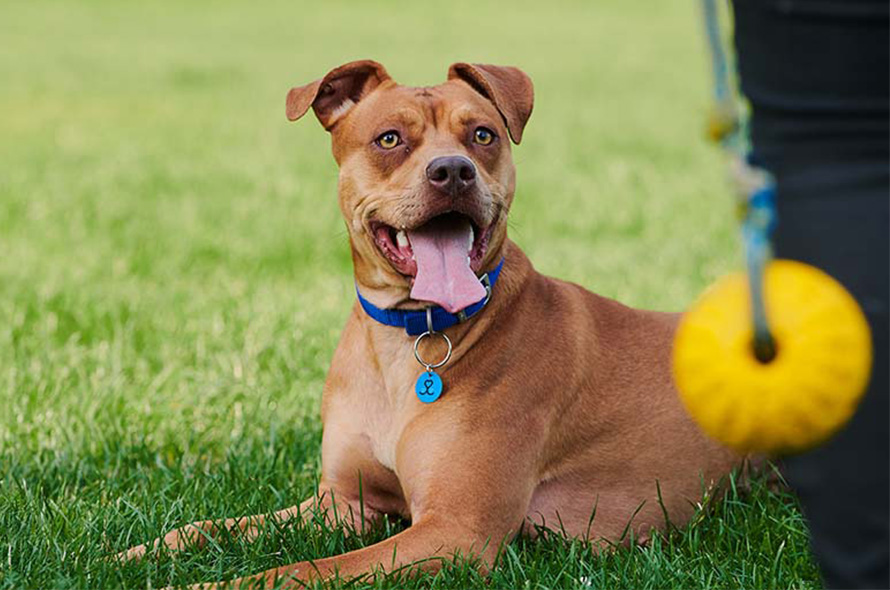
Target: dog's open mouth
[[442, 255]]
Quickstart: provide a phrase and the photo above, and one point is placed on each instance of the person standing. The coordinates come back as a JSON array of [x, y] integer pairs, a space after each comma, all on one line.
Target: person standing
[[816, 75]]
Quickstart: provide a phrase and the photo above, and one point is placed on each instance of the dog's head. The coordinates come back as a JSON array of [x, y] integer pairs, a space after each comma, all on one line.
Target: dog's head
[[426, 174]]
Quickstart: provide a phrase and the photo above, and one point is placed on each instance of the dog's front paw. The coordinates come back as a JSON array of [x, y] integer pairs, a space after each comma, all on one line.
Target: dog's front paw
[[132, 554], [190, 536]]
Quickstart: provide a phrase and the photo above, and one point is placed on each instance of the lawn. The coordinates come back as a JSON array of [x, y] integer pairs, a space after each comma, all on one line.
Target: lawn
[[174, 272]]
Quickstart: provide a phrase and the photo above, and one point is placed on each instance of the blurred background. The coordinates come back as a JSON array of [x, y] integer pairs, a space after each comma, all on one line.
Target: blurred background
[[174, 271]]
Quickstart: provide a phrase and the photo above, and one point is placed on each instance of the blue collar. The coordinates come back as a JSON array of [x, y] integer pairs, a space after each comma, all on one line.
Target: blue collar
[[415, 321]]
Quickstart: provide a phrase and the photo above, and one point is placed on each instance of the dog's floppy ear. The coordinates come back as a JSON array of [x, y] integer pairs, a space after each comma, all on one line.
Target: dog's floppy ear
[[336, 93], [510, 89]]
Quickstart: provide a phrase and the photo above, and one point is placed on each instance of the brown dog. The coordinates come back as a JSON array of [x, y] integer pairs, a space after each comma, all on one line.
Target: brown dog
[[557, 402]]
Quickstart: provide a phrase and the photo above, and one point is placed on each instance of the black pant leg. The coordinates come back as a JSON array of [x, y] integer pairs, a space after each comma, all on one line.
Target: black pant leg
[[816, 74], [843, 485]]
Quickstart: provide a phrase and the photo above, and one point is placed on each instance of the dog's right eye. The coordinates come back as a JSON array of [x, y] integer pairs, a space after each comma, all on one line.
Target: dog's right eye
[[388, 140]]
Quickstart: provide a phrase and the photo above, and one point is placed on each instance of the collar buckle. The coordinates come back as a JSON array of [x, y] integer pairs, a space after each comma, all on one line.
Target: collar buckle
[[462, 315]]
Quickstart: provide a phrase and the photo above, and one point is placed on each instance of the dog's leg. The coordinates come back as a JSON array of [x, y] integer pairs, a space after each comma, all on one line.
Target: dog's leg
[[425, 545], [196, 534], [469, 505], [354, 490]]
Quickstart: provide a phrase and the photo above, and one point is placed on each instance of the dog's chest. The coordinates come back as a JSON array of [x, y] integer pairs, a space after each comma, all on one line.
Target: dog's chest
[[388, 416], [384, 432], [381, 394]]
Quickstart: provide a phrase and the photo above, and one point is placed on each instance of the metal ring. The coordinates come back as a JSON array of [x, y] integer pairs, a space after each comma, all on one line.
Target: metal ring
[[423, 362]]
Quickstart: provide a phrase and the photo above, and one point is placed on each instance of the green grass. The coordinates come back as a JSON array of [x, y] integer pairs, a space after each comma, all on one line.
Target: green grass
[[174, 272]]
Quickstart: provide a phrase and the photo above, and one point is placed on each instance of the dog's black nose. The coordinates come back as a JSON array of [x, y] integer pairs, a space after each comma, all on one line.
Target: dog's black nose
[[452, 175]]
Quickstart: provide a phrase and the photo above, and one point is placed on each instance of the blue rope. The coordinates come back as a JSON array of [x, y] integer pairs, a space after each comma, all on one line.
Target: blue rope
[[722, 92], [757, 229], [755, 185], [724, 124]]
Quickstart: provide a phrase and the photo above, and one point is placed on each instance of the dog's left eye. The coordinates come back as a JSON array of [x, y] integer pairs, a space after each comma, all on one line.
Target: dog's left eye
[[483, 136], [389, 140]]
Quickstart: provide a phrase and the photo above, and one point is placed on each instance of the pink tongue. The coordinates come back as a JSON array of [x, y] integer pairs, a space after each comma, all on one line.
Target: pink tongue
[[441, 250]]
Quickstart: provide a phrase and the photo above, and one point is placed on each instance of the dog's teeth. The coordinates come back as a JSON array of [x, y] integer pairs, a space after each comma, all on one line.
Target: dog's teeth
[[402, 239], [472, 238]]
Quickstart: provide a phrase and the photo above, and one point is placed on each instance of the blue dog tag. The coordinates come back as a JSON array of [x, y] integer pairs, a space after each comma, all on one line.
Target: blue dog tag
[[428, 387]]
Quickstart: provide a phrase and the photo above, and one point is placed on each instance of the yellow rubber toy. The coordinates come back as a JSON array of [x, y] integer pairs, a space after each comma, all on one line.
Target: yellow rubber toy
[[802, 396]]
